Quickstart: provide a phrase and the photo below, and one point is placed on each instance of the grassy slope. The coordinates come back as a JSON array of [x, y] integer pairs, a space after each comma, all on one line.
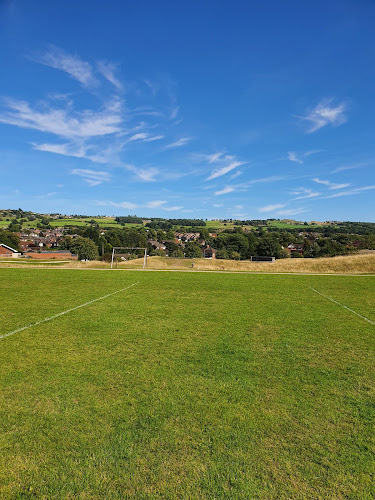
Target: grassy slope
[[285, 225], [186, 386], [359, 263], [352, 264], [105, 222]]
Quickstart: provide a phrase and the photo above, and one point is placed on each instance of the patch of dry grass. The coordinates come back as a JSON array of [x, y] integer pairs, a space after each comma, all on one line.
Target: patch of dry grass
[[341, 264], [348, 264]]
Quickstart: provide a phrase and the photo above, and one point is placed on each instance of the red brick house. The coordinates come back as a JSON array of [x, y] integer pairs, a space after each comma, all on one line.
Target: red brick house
[[298, 248], [209, 252], [6, 251]]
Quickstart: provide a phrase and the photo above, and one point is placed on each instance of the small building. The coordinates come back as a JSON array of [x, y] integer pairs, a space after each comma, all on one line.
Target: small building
[[6, 251], [209, 252], [157, 245], [298, 248], [262, 259]]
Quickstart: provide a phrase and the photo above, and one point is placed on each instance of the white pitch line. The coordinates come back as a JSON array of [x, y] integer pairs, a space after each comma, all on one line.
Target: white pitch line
[[65, 312], [342, 305]]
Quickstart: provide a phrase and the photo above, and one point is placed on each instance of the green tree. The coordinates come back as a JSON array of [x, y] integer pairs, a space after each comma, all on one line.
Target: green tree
[[10, 239], [269, 247], [193, 250], [170, 235], [171, 247], [177, 253], [160, 235], [312, 251], [85, 248], [204, 234], [15, 226], [222, 254]]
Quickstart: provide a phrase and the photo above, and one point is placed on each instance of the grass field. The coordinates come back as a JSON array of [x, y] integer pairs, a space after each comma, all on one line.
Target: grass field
[[216, 224], [347, 264], [279, 224], [186, 386], [102, 222]]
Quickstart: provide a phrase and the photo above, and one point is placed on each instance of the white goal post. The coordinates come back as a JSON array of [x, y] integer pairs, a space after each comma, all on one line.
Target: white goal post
[[129, 248]]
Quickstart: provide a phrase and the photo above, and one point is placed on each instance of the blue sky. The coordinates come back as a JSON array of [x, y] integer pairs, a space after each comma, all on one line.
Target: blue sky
[[212, 109]]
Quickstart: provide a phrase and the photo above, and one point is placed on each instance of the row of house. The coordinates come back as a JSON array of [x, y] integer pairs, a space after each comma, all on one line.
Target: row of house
[[185, 237], [37, 239], [207, 251], [7, 251]]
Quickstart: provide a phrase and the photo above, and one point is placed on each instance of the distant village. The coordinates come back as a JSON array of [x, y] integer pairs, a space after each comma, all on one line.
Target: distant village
[[179, 238]]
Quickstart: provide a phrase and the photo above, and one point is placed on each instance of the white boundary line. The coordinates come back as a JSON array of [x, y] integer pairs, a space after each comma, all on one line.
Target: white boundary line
[[65, 312], [342, 305]]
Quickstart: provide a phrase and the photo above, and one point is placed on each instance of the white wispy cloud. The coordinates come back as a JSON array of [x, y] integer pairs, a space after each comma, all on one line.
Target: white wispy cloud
[[331, 185], [180, 142], [143, 137], [172, 209], [226, 190], [313, 152], [155, 203], [325, 114], [297, 158], [293, 157], [71, 64], [47, 195], [271, 178], [236, 174], [174, 113], [108, 70], [224, 170], [136, 137], [62, 149], [211, 158], [92, 177], [214, 157], [218, 205], [153, 138], [304, 193], [147, 174], [350, 192], [124, 204], [350, 167], [270, 208], [64, 122], [154, 86], [292, 211]]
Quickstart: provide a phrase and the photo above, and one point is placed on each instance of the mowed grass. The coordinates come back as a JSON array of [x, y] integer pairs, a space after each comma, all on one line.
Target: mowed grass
[[187, 385]]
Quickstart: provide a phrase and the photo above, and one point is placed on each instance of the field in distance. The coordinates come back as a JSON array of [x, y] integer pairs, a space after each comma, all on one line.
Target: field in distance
[[186, 385], [110, 222]]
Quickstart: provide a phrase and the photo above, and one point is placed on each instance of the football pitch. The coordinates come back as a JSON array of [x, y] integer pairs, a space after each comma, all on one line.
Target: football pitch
[[186, 385]]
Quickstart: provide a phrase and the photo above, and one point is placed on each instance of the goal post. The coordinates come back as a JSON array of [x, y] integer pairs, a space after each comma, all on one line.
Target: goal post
[[129, 248]]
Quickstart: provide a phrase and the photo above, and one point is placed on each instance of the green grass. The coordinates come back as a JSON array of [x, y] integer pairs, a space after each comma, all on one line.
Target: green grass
[[186, 386], [84, 222], [102, 222], [216, 224], [293, 225]]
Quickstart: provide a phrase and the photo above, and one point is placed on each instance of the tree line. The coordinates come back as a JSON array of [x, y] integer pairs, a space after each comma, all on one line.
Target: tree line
[[93, 242]]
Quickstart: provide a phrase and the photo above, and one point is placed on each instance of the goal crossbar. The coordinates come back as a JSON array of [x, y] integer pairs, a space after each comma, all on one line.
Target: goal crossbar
[[129, 248]]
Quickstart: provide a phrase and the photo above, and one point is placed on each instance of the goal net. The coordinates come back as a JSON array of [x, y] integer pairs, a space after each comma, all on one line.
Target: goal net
[[117, 251]]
